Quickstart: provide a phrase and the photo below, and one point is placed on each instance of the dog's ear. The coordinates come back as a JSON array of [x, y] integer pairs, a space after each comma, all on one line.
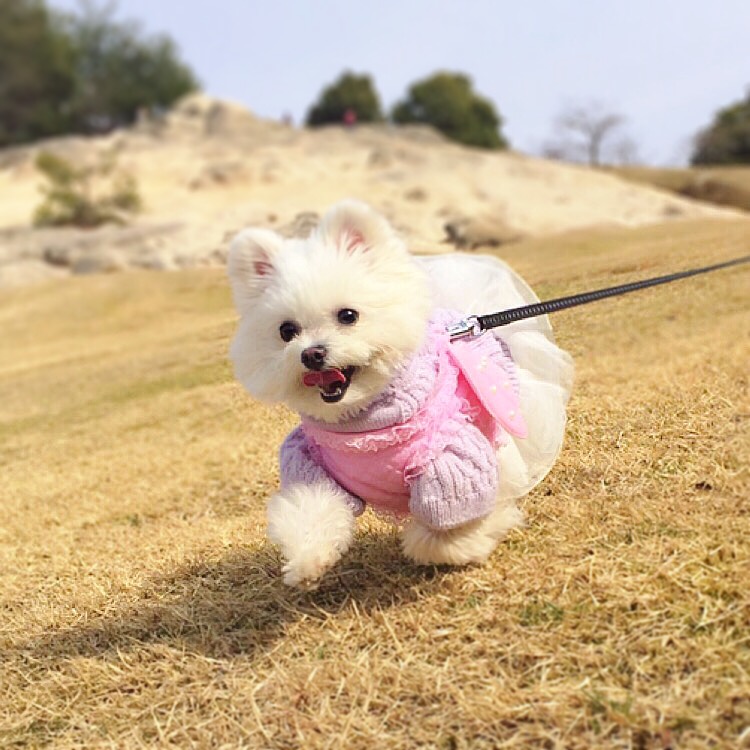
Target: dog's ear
[[354, 226], [250, 264]]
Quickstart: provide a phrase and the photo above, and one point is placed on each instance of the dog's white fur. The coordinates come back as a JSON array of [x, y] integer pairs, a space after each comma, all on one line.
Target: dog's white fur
[[313, 527], [309, 281], [353, 260]]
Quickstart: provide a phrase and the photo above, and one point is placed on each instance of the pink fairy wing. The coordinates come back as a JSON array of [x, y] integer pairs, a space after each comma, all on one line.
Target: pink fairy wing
[[490, 382]]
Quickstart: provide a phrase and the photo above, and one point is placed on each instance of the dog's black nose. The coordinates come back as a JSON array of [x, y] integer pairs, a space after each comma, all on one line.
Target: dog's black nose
[[314, 357]]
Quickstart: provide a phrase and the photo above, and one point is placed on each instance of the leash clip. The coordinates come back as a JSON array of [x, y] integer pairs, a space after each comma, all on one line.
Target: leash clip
[[466, 328]]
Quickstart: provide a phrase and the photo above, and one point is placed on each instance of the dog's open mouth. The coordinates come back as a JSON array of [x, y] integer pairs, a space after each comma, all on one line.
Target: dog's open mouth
[[332, 383]]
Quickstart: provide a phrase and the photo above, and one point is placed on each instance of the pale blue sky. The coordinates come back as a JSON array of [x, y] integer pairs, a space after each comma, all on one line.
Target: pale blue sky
[[665, 64]]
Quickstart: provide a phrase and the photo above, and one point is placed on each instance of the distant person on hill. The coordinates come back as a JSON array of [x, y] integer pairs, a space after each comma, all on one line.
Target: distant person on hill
[[350, 117]]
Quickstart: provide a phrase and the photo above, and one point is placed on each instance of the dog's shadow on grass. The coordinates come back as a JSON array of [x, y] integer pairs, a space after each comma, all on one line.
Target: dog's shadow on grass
[[239, 605]]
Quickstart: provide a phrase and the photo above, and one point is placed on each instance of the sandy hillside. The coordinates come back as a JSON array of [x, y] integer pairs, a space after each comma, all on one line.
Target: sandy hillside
[[140, 605], [211, 168]]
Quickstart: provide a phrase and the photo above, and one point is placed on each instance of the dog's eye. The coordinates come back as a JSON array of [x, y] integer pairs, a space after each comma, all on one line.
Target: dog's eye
[[288, 330], [347, 317]]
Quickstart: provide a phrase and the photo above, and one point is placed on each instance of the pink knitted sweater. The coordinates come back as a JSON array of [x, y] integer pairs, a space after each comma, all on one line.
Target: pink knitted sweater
[[427, 444]]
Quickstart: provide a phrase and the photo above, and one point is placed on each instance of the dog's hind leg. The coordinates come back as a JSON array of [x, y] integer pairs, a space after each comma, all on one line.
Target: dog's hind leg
[[472, 542]]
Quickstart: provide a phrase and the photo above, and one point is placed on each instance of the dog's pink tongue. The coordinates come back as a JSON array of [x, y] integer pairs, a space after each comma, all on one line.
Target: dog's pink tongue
[[324, 377]]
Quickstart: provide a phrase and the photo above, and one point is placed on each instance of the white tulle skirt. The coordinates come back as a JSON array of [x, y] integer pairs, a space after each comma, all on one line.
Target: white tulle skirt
[[478, 285]]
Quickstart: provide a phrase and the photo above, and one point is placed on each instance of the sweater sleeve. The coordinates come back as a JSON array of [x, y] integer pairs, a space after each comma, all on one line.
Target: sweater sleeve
[[459, 484], [300, 464]]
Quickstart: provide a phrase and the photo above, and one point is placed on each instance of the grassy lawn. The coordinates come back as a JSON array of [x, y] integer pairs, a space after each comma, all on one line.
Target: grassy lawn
[[140, 605]]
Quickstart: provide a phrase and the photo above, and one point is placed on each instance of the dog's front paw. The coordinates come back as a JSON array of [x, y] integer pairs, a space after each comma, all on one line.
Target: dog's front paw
[[314, 526], [305, 571]]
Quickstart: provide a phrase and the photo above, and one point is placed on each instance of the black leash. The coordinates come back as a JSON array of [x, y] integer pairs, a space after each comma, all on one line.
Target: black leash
[[476, 324]]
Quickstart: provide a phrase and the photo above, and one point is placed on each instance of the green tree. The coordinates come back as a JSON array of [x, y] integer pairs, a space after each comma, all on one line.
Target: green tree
[[82, 73], [349, 92], [37, 77], [447, 102], [727, 139], [120, 70]]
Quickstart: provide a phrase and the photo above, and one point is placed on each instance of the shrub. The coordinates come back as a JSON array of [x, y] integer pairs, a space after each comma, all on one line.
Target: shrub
[[447, 102], [350, 92], [85, 196]]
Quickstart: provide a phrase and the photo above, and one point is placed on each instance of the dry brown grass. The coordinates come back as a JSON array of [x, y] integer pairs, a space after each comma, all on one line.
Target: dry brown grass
[[725, 186], [140, 605]]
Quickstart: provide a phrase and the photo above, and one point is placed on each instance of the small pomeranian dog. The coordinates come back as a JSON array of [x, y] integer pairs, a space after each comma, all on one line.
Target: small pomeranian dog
[[350, 331]]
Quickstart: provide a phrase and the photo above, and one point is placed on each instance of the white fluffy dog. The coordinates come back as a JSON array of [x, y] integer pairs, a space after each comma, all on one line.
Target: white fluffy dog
[[348, 330]]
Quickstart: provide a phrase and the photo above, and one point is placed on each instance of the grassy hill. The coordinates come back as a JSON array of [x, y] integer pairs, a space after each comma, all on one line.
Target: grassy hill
[[725, 186], [141, 605]]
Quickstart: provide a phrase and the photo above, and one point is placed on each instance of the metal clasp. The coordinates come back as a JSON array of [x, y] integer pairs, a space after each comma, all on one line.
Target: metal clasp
[[466, 328]]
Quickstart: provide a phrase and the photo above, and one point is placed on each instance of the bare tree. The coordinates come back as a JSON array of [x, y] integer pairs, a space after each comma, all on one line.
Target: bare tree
[[591, 134]]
